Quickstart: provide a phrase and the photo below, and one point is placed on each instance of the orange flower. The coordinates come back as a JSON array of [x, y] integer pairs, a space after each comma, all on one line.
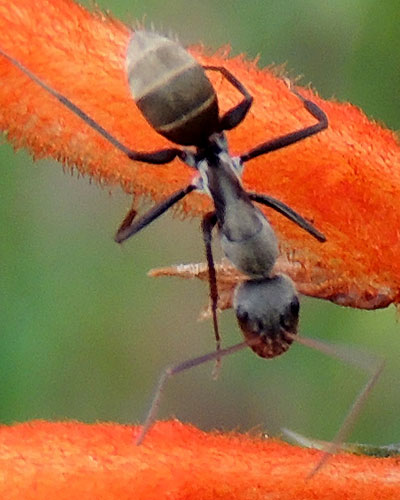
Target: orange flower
[[346, 179], [70, 460]]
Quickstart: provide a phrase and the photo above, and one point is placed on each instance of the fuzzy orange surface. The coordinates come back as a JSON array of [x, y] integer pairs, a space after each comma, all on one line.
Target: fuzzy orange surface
[[345, 179], [42, 460]]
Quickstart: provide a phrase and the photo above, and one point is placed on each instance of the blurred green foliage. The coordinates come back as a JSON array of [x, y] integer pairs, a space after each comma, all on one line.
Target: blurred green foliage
[[84, 332]]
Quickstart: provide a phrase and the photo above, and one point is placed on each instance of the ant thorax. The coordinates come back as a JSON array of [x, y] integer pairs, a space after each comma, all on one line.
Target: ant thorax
[[215, 164]]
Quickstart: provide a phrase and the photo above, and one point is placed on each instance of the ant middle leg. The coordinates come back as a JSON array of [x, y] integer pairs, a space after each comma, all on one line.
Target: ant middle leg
[[131, 226], [128, 220]]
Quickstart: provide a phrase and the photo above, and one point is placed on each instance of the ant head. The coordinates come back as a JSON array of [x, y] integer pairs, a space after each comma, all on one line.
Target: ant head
[[266, 309], [171, 89]]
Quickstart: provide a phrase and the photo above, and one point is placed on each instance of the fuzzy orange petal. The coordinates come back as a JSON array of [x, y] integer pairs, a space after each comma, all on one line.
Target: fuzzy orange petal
[[42, 460], [345, 179]]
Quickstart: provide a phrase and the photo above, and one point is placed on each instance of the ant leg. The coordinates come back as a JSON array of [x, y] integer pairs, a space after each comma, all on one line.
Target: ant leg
[[298, 135], [288, 212], [155, 157], [128, 220], [125, 231], [174, 370], [370, 364], [234, 116], [207, 226]]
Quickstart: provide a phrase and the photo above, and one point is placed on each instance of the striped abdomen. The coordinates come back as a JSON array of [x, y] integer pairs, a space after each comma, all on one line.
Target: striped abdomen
[[171, 89]]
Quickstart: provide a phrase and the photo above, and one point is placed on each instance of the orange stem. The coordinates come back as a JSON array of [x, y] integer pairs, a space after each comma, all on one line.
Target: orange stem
[[42, 460], [345, 179]]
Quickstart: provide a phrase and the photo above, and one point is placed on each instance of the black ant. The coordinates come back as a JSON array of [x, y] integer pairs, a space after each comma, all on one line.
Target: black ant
[[174, 94]]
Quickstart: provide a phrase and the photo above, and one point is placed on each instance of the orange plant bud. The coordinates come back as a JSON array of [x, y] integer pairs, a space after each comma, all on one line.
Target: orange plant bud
[[42, 460], [345, 179]]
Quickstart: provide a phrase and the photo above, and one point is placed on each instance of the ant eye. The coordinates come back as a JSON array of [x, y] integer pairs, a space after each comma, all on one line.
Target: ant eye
[[283, 321], [289, 319], [260, 326], [242, 315], [295, 307]]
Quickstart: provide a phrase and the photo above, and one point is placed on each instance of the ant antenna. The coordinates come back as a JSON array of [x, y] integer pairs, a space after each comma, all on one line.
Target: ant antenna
[[351, 356]]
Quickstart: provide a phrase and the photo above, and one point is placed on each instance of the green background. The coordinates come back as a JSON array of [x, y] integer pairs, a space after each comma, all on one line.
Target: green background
[[85, 333]]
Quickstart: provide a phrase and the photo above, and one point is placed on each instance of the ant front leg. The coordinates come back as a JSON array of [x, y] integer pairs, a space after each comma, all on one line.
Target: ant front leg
[[207, 226], [170, 371]]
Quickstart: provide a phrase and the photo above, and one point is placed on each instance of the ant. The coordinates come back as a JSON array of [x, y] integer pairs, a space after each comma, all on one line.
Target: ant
[[175, 96]]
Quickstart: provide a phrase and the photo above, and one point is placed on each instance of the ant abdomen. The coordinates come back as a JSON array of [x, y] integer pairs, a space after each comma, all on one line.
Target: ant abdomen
[[267, 309], [171, 89]]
